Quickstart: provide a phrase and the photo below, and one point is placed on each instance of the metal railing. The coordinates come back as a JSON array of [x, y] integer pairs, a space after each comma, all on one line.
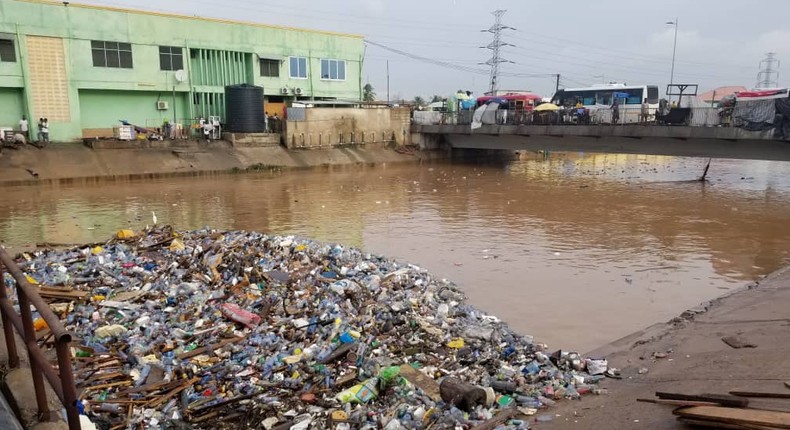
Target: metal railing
[[62, 379], [697, 117]]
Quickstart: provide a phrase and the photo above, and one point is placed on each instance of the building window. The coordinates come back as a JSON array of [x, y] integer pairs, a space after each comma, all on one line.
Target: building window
[[298, 69], [7, 51], [333, 70], [270, 68], [112, 54], [171, 58]]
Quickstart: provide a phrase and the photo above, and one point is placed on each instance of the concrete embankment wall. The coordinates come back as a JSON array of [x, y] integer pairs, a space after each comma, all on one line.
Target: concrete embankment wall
[[326, 128], [67, 162]]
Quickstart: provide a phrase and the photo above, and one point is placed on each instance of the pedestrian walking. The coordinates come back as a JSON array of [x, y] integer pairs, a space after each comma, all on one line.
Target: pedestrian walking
[[615, 111]]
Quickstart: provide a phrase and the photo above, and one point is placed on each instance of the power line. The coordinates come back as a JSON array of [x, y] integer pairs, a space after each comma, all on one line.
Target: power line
[[496, 47], [454, 66]]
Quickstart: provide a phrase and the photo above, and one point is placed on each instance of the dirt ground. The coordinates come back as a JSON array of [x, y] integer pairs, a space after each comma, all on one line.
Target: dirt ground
[[696, 361]]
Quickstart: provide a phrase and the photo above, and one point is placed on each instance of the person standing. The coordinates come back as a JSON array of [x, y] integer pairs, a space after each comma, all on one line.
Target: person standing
[[40, 136], [45, 130], [24, 127], [615, 111], [645, 110], [266, 122], [207, 128]]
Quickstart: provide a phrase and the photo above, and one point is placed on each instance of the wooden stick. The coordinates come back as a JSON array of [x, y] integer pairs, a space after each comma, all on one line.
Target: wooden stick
[[209, 348], [677, 402], [110, 385], [723, 400], [760, 394]]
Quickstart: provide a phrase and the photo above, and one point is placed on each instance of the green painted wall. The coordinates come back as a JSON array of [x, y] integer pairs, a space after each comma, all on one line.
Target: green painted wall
[[80, 24], [104, 108], [11, 107]]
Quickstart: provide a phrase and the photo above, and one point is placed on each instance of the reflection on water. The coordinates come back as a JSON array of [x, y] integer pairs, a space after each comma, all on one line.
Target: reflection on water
[[577, 250]]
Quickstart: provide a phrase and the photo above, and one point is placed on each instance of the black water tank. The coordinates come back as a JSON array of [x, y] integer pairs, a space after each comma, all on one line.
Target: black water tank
[[244, 109]]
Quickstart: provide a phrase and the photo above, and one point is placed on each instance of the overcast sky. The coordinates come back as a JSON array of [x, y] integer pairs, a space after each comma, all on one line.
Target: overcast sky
[[720, 42]]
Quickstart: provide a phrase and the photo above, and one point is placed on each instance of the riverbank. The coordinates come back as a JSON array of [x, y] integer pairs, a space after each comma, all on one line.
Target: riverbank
[[73, 162], [687, 355]]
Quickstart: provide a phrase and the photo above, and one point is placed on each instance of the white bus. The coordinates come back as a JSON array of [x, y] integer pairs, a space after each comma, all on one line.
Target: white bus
[[599, 99]]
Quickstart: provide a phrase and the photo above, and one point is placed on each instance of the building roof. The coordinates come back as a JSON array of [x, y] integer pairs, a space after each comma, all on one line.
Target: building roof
[[719, 93], [179, 16]]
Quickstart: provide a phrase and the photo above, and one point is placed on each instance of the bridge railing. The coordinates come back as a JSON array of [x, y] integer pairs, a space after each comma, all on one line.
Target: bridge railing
[[62, 379], [698, 117]]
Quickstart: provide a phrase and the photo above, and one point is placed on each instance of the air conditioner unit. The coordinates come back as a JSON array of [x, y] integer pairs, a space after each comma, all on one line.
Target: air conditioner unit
[[298, 91], [284, 90], [161, 105]]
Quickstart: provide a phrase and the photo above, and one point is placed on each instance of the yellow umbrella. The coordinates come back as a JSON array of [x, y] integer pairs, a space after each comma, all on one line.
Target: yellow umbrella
[[547, 107]]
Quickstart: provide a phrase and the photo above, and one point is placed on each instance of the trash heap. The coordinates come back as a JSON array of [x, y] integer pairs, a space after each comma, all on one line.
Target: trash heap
[[208, 329]]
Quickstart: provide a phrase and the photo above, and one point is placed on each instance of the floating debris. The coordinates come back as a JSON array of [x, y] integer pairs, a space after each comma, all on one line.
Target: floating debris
[[210, 329]]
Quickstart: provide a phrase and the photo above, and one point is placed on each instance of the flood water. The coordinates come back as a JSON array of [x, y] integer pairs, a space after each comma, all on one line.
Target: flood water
[[577, 250]]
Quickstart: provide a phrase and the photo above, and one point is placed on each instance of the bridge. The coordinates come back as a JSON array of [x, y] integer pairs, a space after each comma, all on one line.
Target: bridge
[[684, 141]]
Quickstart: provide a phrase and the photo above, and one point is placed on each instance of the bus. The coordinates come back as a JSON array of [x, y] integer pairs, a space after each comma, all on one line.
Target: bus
[[600, 98]]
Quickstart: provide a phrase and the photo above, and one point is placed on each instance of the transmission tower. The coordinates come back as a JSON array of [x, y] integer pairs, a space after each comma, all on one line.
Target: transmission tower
[[769, 72], [496, 46]]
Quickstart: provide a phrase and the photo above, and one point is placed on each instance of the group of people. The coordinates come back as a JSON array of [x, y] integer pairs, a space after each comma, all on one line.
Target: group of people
[[23, 136], [272, 123]]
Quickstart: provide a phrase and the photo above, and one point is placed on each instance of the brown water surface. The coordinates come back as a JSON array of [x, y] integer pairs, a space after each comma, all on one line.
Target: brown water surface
[[577, 250]]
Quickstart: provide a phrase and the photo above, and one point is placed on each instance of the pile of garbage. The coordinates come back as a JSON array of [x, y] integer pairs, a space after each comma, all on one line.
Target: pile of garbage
[[236, 329]]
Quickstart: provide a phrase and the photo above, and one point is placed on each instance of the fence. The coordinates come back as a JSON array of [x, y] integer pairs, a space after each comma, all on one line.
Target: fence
[[62, 380], [697, 117]]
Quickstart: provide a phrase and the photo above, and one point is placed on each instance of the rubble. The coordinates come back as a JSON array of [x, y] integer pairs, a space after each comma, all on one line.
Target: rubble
[[210, 329]]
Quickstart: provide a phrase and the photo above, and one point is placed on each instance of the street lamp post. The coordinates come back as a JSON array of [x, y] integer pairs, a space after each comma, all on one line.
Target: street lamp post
[[674, 49]]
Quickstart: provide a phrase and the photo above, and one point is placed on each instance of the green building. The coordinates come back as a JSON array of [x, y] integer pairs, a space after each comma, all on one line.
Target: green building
[[86, 67]]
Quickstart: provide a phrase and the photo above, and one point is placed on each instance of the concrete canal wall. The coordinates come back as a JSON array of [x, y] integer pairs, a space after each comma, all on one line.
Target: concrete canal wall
[[326, 128], [70, 162]]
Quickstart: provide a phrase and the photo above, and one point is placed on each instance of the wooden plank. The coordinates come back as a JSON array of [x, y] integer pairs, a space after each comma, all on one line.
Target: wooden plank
[[741, 417], [210, 348], [677, 402], [713, 424], [761, 394], [110, 385], [419, 380], [722, 399]]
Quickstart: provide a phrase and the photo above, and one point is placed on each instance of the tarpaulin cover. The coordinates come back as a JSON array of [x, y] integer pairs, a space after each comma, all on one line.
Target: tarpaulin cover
[[477, 118], [783, 126], [754, 115]]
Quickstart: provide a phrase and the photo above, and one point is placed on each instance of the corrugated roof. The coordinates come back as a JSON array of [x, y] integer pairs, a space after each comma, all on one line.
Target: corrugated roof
[[719, 93]]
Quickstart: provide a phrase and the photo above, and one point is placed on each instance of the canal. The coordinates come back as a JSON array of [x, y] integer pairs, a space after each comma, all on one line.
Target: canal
[[576, 250]]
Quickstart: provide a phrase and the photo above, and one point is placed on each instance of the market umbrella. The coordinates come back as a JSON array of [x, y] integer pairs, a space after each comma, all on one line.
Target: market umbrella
[[547, 107]]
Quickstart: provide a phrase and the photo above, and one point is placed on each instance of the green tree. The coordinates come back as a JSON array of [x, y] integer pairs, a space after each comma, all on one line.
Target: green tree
[[368, 94], [419, 101], [436, 99]]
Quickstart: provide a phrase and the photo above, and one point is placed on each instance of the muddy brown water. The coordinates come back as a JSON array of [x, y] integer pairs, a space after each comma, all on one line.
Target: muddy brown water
[[577, 250]]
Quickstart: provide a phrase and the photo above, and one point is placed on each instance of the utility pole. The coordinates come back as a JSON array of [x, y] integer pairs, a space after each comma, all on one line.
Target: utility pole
[[557, 87], [495, 46], [674, 49], [768, 77], [388, 82]]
